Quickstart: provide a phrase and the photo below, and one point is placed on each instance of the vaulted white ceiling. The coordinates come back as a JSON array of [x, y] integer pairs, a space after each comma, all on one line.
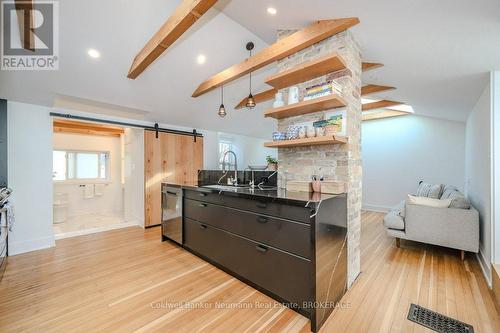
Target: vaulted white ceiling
[[437, 53]]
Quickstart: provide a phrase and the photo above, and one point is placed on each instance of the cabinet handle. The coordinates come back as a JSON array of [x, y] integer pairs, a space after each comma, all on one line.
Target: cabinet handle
[[261, 205], [202, 205], [261, 248], [202, 194], [262, 219], [202, 226]]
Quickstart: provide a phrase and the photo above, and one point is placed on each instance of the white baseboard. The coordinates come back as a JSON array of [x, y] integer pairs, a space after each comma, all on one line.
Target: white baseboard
[[95, 230], [376, 208], [31, 245], [485, 267]]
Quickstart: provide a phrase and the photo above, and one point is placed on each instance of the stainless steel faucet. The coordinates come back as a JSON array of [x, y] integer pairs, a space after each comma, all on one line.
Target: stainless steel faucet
[[235, 182]]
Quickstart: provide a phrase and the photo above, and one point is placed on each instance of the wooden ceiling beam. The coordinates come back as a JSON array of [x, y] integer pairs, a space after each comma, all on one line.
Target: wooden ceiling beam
[[25, 13], [297, 41], [258, 98], [366, 66], [374, 88], [379, 105], [184, 16]]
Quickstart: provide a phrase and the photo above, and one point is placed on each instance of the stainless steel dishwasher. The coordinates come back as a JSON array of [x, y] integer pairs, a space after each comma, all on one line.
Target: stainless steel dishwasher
[[171, 222]]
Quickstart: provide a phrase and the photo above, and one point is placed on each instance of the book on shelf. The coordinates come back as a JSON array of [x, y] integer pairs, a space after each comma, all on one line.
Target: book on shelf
[[323, 89]]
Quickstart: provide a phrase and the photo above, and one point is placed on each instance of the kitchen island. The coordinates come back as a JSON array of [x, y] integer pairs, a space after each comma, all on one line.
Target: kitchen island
[[291, 246]]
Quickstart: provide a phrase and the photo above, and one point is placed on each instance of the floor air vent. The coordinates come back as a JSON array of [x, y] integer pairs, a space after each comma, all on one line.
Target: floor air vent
[[436, 321]]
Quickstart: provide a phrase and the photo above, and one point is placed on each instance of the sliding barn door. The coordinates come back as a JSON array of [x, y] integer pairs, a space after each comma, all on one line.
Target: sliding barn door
[[169, 158]]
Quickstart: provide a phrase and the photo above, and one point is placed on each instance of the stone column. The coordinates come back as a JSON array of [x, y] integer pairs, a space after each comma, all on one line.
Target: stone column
[[339, 162]]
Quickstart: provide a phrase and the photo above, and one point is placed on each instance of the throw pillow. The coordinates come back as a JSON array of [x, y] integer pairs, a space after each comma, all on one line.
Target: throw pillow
[[429, 202], [429, 191], [458, 200]]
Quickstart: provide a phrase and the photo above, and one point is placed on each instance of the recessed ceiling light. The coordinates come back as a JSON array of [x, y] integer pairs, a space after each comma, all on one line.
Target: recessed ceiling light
[[271, 10], [201, 59], [93, 53]]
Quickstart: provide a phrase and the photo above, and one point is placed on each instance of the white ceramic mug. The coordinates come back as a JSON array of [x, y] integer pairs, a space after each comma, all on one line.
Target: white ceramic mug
[[293, 95]]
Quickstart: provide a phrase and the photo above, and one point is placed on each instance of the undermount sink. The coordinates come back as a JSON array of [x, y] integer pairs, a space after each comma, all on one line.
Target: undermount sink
[[235, 188], [227, 187]]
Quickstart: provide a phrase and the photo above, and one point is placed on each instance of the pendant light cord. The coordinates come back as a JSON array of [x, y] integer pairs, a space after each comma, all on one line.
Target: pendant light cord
[[250, 73]]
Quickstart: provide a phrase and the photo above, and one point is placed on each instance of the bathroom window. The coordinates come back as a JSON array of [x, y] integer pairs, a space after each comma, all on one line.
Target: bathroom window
[[225, 145], [80, 165]]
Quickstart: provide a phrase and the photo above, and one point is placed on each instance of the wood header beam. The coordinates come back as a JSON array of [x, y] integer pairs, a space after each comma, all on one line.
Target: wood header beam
[[374, 88], [76, 127], [258, 98], [366, 66], [184, 16], [379, 105], [297, 41]]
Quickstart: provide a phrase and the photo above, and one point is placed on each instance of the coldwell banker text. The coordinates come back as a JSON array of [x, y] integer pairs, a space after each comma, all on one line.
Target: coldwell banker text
[[30, 35]]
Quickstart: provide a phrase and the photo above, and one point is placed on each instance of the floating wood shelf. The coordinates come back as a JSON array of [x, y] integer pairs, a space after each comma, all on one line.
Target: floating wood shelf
[[374, 88], [307, 71], [379, 105], [314, 105], [367, 66], [320, 140], [383, 114]]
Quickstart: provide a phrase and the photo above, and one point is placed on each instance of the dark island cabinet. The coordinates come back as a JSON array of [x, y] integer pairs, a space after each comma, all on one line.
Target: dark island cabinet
[[295, 252]]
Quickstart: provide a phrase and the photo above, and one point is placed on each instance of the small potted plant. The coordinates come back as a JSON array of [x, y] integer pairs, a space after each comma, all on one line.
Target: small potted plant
[[272, 163]]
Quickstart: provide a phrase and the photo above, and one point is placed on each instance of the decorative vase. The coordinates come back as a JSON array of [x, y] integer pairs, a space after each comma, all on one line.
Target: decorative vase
[[316, 185], [272, 166], [293, 95], [303, 132], [278, 100], [311, 132], [320, 131]]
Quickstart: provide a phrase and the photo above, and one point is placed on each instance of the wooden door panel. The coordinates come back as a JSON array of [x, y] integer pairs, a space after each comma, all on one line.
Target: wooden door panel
[[170, 158]]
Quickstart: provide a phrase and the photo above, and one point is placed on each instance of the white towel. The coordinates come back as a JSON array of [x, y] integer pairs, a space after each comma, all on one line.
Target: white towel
[[88, 191], [98, 190]]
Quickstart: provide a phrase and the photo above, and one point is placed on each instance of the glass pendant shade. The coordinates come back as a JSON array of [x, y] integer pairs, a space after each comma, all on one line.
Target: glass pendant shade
[[250, 102], [222, 111]]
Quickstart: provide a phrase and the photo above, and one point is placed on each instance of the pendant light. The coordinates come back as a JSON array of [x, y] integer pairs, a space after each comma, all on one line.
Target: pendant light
[[250, 100], [222, 110]]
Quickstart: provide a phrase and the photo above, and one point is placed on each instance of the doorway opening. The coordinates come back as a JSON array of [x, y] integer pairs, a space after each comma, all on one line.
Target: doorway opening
[[88, 178]]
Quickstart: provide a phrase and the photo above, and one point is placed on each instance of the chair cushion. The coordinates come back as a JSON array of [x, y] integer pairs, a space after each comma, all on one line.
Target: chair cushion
[[429, 191], [458, 200], [393, 221]]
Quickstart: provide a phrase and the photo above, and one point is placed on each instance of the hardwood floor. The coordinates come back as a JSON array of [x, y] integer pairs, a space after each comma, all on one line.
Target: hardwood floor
[[128, 281]]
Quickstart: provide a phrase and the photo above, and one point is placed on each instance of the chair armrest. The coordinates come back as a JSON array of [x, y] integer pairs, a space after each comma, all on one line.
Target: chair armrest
[[450, 227]]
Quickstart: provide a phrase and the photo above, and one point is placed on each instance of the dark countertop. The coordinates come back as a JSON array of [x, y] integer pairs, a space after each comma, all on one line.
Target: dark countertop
[[274, 195]]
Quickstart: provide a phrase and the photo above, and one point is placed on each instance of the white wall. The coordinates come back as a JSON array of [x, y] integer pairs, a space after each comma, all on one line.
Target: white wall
[[30, 176], [478, 170], [134, 176], [398, 152], [495, 89], [111, 202]]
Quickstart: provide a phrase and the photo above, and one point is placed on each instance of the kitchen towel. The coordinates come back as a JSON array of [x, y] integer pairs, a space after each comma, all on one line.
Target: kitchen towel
[[98, 190], [88, 191]]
